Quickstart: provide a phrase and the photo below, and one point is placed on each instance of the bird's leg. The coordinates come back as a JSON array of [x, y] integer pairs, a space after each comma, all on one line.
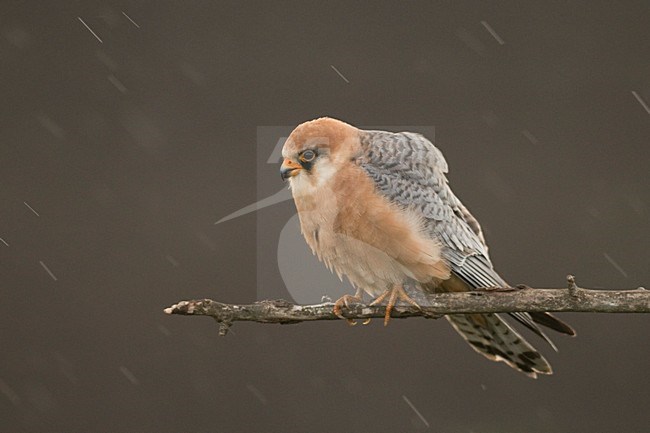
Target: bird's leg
[[344, 301], [394, 294]]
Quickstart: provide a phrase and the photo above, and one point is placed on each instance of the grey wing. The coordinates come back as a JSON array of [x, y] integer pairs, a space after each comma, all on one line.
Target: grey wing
[[411, 172]]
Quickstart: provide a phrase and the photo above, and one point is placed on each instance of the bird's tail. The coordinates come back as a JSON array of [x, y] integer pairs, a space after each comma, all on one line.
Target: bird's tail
[[493, 338]]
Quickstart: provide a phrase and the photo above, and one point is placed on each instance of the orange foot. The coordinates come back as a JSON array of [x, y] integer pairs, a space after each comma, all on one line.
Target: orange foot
[[345, 301], [394, 294]]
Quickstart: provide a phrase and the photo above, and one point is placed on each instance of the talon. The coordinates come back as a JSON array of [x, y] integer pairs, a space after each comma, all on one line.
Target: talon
[[365, 322], [345, 301], [337, 311], [396, 293]]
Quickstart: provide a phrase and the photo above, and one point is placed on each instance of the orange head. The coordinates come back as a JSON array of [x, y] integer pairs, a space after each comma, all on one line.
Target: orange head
[[317, 145]]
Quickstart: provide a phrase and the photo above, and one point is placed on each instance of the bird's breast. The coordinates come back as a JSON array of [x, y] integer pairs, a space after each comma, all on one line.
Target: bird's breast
[[358, 233]]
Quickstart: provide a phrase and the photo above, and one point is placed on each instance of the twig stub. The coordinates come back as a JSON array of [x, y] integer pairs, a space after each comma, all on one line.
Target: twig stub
[[572, 286]]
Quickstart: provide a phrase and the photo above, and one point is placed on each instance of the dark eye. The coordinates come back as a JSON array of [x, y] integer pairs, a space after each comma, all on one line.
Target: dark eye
[[308, 155]]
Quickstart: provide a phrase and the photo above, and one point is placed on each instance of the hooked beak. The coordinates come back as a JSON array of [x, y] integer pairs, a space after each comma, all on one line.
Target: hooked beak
[[289, 169]]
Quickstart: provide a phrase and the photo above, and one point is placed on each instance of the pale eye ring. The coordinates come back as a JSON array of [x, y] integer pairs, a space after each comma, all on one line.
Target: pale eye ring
[[308, 155]]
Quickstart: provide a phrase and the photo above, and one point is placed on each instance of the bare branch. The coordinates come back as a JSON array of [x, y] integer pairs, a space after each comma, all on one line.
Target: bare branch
[[493, 300]]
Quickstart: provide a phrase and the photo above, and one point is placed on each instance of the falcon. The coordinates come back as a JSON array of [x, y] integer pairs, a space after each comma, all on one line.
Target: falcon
[[376, 207]]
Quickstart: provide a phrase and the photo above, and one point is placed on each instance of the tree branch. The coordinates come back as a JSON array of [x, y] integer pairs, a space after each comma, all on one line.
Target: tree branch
[[492, 300]]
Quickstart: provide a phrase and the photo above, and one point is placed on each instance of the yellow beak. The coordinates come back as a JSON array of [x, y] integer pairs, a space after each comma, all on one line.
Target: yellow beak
[[289, 169]]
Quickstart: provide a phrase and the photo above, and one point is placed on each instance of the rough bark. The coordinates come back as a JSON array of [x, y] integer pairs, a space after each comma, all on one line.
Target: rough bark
[[493, 300]]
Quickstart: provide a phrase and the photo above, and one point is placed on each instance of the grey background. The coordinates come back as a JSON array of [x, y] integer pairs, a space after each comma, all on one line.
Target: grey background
[[131, 149]]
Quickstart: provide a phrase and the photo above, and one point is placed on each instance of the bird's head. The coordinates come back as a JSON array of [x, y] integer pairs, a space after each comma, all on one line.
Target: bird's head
[[315, 150]]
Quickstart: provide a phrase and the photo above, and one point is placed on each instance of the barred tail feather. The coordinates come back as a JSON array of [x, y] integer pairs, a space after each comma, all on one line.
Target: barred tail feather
[[495, 339]]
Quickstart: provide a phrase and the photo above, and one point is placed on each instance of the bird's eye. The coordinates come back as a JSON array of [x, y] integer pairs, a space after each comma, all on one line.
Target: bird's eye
[[308, 155]]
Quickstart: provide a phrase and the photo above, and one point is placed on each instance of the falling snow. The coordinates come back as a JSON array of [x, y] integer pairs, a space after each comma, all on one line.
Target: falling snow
[[130, 19], [49, 272], [257, 393], [117, 83], [615, 264], [127, 373], [31, 208], [492, 32], [641, 101], [417, 412], [340, 74], [90, 30]]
